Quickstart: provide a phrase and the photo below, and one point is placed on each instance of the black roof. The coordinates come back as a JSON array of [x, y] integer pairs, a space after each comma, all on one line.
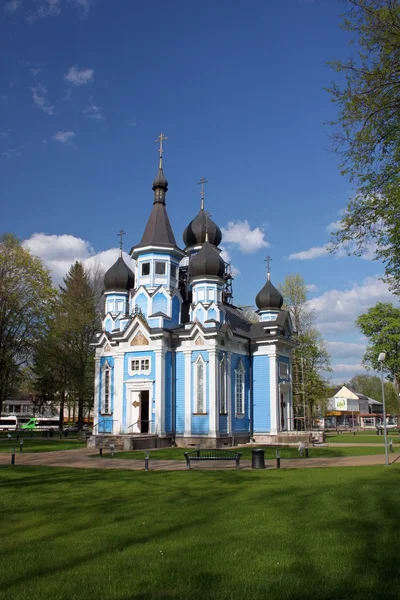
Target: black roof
[[195, 232], [207, 262], [158, 230], [119, 277], [269, 297]]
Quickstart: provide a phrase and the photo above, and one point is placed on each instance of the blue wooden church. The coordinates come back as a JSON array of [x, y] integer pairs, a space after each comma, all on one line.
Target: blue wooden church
[[175, 359]]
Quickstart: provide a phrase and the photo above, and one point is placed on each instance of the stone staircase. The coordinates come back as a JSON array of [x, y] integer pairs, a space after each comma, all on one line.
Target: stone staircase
[[128, 442]]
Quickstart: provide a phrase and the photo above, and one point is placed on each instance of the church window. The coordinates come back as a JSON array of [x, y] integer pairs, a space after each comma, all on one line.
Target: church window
[[239, 389], [145, 268], [140, 366], [223, 409], [283, 370], [160, 268], [200, 386], [106, 394], [173, 271]]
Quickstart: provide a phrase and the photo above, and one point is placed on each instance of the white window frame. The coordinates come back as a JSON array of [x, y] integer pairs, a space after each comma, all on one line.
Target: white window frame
[[144, 364], [283, 370], [239, 389], [106, 393], [200, 404], [223, 404]]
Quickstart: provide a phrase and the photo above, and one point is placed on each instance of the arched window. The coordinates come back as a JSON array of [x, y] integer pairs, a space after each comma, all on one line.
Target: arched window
[[200, 386], [223, 408], [106, 390], [239, 389]]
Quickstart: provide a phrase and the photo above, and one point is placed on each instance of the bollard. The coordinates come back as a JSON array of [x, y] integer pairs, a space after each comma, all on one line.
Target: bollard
[[306, 451], [278, 459], [354, 433], [13, 457], [101, 450], [391, 444], [21, 445], [146, 461], [112, 450]]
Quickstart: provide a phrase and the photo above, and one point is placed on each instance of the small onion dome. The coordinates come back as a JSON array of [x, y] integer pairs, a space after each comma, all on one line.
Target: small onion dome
[[195, 232], [119, 277], [269, 297], [160, 180], [207, 262]]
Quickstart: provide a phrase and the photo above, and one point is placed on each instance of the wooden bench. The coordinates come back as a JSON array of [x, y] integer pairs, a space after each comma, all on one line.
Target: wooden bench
[[212, 454]]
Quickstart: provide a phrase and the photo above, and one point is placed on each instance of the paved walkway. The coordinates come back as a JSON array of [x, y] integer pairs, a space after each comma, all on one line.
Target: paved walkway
[[81, 459]]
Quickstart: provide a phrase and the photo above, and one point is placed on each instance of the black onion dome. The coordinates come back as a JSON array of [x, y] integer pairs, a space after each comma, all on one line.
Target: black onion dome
[[160, 181], [269, 297], [119, 277], [207, 262], [195, 232]]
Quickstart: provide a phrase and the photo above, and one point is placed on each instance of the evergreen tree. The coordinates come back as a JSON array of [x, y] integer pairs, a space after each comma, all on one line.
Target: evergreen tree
[[76, 321]]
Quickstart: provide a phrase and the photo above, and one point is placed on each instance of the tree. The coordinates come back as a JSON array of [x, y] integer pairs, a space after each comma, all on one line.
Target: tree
[[75, 323], [381, 325], [367, 133], [26, 299], [370, 385], [311, 358]]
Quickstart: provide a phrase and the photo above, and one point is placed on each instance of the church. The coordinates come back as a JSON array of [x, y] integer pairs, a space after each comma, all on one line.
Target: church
[[176, 362]]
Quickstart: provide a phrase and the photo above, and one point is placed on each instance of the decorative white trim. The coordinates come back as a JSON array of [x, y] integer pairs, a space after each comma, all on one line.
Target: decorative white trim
[[240, 372], [188, 393], [160, 391], [213, 426], [198, 408], [274, 395], [142, 362], [222, 372], [118, 393], [106, 370]]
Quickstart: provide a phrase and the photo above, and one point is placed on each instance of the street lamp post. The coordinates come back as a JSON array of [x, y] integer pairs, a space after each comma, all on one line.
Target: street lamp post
[[381, 359]]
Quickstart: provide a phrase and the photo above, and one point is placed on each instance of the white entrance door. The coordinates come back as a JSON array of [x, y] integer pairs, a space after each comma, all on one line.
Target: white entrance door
[[135, 412]]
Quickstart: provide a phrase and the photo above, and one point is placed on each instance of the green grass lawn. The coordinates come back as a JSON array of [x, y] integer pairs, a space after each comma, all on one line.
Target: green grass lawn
[[270, 453], [38, 444], [315, 534], [361, 438]]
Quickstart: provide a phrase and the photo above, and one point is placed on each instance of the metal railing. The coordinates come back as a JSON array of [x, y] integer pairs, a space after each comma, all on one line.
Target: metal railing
[[140, 421], [104, 421]]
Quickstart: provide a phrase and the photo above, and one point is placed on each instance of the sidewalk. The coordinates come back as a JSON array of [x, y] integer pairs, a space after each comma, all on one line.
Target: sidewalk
[[81, 459]]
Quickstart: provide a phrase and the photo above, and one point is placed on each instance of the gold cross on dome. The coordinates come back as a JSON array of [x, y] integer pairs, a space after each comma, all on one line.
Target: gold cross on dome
[[160, 139], [268, 260], [120, 234], [202, 182]]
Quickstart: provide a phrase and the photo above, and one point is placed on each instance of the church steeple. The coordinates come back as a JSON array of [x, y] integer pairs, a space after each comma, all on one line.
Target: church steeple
[[160, 183]]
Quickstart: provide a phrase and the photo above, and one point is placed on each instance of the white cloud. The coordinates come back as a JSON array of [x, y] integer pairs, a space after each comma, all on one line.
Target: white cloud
[[36, 71], [311, 287], [346, 349], [92, 111], [79, 76], [11, 153], [314, 252], [39, 95], [59, 252], [65, 137], [347, 368], [83, 5], [240, 233], [228, 259], [46, 8], [334, 226], [11, 6], [337, 310], [132, 123]]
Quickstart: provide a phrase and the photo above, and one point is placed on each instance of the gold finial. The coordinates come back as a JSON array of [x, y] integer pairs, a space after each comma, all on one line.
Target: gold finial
[[160, 139], [268, 261], [120, 234], [202, 182]]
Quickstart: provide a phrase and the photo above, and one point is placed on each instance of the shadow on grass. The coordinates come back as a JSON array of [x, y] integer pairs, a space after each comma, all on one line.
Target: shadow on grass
[[297, 534]]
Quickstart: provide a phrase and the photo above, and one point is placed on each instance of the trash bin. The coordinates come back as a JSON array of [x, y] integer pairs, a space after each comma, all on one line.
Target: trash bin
[[257, 459]]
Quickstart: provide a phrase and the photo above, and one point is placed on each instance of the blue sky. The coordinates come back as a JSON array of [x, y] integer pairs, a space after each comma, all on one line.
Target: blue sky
[[238, 88]]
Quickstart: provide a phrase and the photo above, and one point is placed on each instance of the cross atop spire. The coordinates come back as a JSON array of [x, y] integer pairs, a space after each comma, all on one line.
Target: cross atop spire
[[202, 182], [268, 260], [160, 139], [207, 223], [120, 234]]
